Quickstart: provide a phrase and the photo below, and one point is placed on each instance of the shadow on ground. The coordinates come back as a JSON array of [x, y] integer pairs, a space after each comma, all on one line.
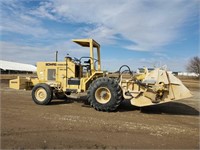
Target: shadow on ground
[[69, 100], [61, 101], [171, 108]]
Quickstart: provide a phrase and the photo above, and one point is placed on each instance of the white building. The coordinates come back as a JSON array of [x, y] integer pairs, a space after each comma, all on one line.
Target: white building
[[190, 74], [8, 67]]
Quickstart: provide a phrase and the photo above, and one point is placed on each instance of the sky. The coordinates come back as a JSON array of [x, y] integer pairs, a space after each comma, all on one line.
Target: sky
[[150, 33]]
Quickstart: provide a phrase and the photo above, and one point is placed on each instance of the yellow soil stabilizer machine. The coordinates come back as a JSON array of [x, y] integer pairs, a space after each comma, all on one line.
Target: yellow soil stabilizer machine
[[104, 92]]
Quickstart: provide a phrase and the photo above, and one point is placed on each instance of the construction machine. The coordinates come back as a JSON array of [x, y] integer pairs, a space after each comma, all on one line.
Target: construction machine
[[104, 92]]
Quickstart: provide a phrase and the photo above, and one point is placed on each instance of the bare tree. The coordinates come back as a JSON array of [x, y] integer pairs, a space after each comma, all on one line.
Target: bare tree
[[194, 65]]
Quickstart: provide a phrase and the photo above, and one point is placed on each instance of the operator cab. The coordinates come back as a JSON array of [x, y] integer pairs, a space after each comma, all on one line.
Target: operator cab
[[84, 67]]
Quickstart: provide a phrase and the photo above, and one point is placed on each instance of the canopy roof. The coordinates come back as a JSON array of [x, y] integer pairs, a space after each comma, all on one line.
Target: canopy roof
[[7, 65], [86, 42]]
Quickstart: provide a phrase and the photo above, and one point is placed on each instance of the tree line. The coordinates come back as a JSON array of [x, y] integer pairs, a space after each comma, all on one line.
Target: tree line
[[194, 65]]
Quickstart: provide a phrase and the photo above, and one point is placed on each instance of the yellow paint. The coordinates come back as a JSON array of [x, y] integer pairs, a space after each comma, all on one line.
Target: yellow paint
[[57, 74], [143, 89], [20, 83]]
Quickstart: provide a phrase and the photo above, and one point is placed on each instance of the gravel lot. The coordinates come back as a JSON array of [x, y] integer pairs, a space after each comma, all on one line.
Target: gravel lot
[[70, 124]]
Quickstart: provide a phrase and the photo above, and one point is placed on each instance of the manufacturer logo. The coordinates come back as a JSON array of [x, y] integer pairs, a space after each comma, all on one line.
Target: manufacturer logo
[[50, 64]]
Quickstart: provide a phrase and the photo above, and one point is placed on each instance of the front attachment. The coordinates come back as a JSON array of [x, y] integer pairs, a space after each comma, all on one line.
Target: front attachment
[[155, 87]]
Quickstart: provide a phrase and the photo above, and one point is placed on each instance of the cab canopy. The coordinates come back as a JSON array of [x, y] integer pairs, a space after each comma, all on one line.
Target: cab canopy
[[87, 42], [91, 43]]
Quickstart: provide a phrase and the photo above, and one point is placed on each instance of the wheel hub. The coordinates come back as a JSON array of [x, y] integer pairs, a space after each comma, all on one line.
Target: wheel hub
[[103, 95], [40, 94]]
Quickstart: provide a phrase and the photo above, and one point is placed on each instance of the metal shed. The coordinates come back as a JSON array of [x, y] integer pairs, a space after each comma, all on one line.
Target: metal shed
[[8, 67]]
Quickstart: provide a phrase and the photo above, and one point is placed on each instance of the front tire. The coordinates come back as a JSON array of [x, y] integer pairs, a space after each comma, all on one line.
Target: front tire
[[105, 94], [42, 94]]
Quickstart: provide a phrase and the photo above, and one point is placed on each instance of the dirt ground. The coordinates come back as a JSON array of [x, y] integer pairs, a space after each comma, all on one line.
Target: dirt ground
[[70, 124]]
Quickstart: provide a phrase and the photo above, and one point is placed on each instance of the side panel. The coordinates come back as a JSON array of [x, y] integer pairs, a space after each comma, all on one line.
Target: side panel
[[60, 76], [57, 74]]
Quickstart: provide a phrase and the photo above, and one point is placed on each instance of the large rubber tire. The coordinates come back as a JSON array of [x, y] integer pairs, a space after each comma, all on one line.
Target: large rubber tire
[[112, 94], [60, 95], [42, 94]]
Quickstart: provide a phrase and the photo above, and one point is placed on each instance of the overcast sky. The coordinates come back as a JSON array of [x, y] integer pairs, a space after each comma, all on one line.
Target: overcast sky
[[134, 32]]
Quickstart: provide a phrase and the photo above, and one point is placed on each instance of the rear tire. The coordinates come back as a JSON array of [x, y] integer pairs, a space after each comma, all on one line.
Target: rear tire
[[42, 94], [105, 94]]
